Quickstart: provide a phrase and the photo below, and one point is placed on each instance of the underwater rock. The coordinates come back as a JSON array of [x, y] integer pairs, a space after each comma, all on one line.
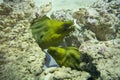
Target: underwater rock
[[78, 36], [45, 8], [111, 7], [62, 15], [20, 56], [101, 23], [5, 9], [105, 56], [63, 73]]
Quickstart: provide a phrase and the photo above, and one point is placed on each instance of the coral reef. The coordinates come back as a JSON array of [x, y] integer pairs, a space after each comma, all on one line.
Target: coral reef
[[105, 56], [20, 56], [96, 35], [78, 36], [100, 22], [63, 74], [111, 7], [62, 15]]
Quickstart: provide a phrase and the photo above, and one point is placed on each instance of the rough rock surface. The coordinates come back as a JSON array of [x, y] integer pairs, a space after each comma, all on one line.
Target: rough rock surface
[[78, 36], [62, 15], [100, 22], [20, 56], [105, 56], [63, 73], [112, 7]]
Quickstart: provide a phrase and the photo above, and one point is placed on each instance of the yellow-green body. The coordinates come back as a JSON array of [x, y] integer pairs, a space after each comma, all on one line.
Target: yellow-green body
[[48, 32], [68, 56]]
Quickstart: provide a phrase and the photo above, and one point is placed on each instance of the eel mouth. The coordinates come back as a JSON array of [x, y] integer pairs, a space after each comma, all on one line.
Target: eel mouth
[[51, 50], [68, 26]]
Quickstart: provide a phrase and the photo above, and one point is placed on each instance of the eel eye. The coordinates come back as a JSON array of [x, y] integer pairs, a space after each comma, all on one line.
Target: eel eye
[[66, 26], [41, 36]]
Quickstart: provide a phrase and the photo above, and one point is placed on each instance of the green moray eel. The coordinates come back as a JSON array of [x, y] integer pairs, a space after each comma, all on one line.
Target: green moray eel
[[48, 32], [68, 56]]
